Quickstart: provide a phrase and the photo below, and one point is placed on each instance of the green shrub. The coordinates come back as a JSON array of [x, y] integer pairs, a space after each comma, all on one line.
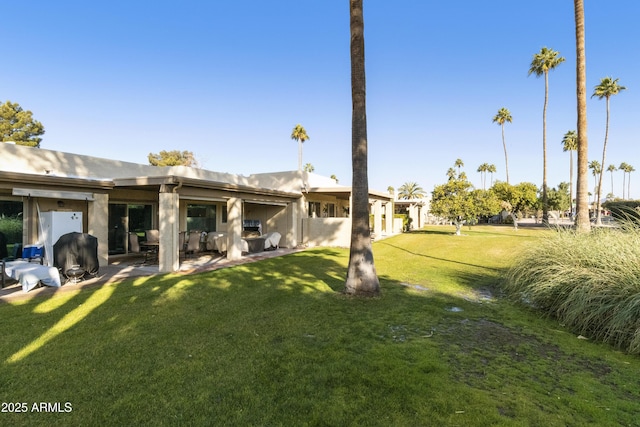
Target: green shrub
[[589, 281], [11, 228]]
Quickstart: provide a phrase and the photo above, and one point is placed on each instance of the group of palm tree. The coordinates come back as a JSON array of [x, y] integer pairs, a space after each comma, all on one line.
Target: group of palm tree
[[626, 170], [570, 144], [490, 168], [596, 170], [543, 62], [606, 89]]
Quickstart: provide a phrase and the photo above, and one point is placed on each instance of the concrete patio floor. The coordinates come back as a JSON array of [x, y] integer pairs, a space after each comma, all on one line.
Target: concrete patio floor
[[127, 267]]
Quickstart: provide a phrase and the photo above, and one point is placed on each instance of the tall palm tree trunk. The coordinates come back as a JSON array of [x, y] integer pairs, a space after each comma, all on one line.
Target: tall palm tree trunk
[[362, 278], [506, 161], [612, 183], [582, 189], [571, 181], [604, 153], [545, 200]]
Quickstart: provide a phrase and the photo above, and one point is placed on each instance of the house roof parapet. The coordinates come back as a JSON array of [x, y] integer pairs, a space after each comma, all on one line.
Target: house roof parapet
[[308, 182], [62, 181], [175, 180]]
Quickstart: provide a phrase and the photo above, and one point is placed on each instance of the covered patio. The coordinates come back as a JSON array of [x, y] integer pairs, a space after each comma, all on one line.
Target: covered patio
[[170, 196]]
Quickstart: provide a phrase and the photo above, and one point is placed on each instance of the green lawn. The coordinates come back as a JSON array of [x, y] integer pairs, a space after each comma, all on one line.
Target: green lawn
[[276, 343]]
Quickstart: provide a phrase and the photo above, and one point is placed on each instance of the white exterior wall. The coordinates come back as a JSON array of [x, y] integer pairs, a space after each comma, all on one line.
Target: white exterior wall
[[397, 225], [327, 232]]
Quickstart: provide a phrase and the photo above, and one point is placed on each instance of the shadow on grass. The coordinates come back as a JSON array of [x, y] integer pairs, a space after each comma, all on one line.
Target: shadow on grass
[[272, 342], [116, 307], [508, 230], [439, 259], [432, 231]]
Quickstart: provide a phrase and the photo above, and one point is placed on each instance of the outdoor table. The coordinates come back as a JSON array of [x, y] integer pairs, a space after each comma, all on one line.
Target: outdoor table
[[29, 274], [152, 249]]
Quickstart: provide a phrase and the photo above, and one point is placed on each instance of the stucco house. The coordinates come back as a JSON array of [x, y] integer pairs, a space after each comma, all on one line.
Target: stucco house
[[117, 198]]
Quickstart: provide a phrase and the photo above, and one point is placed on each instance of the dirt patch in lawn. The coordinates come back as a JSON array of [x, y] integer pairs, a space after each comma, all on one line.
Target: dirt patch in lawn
[[481, 352]]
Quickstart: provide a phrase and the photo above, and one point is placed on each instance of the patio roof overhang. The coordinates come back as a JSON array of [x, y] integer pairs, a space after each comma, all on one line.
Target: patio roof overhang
[[172, 182], [44, 182], [418, 202], [344, 193]]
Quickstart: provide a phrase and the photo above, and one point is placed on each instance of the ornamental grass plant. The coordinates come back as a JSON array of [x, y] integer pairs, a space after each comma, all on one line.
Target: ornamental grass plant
[[590, 282]]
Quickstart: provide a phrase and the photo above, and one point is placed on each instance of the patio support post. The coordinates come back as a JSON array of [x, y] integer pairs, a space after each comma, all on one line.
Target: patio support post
[[168, 213], [377, 218], [294, 221], [234, 228], [388, 217], [30, 218], [414, 215], [98, 225]]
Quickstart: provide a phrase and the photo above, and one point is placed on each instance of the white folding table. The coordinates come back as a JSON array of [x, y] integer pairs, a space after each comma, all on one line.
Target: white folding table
[[30, 273]]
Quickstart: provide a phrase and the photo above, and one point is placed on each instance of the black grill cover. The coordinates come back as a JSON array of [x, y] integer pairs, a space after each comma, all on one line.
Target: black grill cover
[[76, 249]]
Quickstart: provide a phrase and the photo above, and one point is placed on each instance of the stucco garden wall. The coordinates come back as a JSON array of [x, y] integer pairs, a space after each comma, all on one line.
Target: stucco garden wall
[[326, 232]]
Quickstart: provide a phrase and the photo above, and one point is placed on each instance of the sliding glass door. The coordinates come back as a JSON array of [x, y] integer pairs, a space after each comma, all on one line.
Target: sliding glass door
[[125, 218]]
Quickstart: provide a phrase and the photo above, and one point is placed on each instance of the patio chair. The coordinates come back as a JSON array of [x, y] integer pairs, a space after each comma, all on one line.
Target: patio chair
[[182, 246], [134, 247], [193, 243], [15, 253], [271, 240], [220, 240], [152, 236], [210, 243]]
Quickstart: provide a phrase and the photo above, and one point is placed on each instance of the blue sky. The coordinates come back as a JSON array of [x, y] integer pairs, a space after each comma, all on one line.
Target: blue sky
[[229, 80]]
